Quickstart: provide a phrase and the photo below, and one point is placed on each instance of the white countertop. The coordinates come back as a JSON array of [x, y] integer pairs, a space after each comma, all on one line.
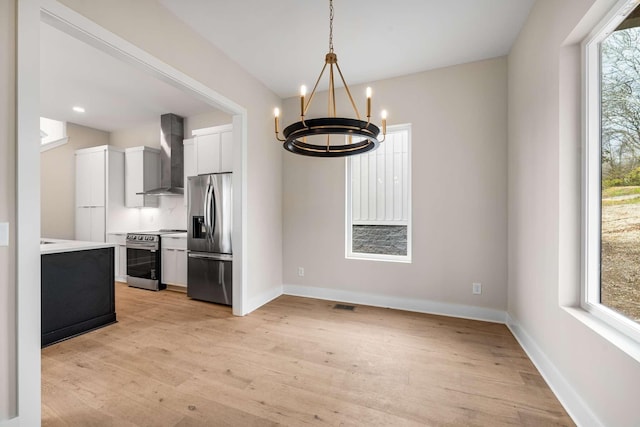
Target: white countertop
[[182, 235], [57, 246]]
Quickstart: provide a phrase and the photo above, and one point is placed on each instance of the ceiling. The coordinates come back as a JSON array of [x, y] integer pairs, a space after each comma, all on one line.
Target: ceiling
[[283, 42], [114, 94]]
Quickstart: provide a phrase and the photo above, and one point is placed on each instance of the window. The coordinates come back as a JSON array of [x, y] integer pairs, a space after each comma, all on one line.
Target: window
[[378, 223], [612, 171], [53, 133]]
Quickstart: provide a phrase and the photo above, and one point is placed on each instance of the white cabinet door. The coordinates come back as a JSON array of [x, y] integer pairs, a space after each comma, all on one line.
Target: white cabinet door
[[133, 179], [83, 180], [226, 152], [97, 163], [189, 166], [98, 224], [83, 224], [90, 224], [142, 173], [181, 267], [122, 262], [208, 153], [168, 261], [90, 179]]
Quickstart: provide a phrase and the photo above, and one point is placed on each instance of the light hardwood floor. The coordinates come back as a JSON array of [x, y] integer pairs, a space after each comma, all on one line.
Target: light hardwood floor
[[172, 361]]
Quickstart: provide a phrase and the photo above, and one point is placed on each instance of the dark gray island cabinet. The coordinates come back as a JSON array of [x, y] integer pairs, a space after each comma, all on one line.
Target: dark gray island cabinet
[[78, 292]]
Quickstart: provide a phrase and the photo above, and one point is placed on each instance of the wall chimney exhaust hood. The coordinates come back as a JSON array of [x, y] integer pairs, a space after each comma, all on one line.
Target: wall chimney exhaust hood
[[171, 157]]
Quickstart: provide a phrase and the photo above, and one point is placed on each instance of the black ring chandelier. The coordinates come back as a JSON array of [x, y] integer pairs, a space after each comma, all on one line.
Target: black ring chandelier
[[360, 135]]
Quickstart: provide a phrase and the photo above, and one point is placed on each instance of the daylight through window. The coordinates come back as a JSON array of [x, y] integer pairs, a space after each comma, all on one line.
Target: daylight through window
[[379, 200], [612, 285]]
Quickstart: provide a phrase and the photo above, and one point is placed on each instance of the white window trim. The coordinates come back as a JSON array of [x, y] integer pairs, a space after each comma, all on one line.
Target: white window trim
[[591, 182], [348, 217]]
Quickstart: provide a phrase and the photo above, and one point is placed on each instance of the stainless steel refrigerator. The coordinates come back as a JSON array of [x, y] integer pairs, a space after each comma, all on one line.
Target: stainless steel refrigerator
[[210, 255]]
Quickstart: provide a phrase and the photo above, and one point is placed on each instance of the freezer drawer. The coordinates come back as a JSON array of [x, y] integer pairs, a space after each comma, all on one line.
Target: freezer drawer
[[209, 277]]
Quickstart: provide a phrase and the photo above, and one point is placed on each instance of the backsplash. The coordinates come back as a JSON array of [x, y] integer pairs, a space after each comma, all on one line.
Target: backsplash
[[171, 213]]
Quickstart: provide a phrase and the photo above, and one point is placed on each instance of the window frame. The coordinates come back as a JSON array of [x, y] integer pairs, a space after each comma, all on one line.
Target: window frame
[[349, 254], [592, 174]]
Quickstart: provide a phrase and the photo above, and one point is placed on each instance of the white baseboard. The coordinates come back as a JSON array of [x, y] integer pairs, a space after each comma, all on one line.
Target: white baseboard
[[258, 301], [577, 409], [408, 304]]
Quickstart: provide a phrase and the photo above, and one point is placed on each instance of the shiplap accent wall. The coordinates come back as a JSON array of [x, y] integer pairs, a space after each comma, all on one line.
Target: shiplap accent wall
[[380, 182]]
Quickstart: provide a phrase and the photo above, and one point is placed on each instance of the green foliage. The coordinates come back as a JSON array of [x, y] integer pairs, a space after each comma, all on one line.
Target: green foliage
[[612, 182], [619, 191], [633, 177]]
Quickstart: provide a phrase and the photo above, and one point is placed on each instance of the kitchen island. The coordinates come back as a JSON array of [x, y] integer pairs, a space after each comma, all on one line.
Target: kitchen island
[[77, 287]]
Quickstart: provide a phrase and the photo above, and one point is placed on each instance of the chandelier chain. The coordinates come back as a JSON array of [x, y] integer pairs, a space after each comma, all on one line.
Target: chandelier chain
[[331, 26]]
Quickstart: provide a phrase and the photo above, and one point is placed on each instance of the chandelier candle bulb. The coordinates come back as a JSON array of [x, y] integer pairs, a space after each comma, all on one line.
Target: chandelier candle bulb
[[384, 121], [303, 92], [276, 114], [368, 103]]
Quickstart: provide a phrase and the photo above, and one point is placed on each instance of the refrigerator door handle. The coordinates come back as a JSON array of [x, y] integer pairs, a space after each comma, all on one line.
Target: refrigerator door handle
[[207, 213], [212, 213], [215, 206], [213, 257], [204, 208]]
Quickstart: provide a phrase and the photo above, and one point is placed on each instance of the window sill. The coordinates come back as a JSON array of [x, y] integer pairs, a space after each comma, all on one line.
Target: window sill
[[375, 257], [622, 341]]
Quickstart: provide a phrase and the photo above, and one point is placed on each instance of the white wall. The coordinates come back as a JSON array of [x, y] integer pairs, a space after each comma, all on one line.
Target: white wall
[[7, 210], [458, 117], [595, 380], [151, 27], [58, 181]]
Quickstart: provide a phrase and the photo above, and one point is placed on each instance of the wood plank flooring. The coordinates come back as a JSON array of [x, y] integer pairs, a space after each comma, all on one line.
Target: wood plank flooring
[[172, 361]]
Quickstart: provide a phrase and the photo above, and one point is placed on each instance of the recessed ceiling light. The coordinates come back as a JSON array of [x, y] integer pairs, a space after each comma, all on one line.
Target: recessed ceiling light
[[78, 109]]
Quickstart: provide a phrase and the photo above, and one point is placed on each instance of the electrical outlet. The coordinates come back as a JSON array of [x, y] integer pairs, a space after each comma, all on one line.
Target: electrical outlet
[[301, 271], [477, 288]]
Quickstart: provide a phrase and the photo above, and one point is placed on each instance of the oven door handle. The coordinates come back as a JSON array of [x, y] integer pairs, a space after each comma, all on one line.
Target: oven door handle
[[142, 246]]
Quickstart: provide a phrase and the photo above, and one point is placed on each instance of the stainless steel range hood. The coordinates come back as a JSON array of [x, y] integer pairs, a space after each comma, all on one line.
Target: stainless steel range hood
[[171, 157]]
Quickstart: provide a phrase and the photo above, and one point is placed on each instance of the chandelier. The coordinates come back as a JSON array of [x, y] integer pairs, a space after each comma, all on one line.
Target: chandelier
[[312, 136]]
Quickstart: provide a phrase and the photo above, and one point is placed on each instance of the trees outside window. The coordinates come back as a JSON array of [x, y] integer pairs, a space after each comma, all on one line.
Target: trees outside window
[[612, 172]]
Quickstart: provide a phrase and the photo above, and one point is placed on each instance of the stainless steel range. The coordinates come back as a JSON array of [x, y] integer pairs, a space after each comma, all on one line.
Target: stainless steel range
[[144, 264]]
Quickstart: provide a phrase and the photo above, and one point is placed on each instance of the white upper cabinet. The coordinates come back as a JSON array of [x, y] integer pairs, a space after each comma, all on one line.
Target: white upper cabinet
[[99, 190], [90, 178], [226, 151], [213, 150], [189, 165], [208, 153], [142, 173]]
